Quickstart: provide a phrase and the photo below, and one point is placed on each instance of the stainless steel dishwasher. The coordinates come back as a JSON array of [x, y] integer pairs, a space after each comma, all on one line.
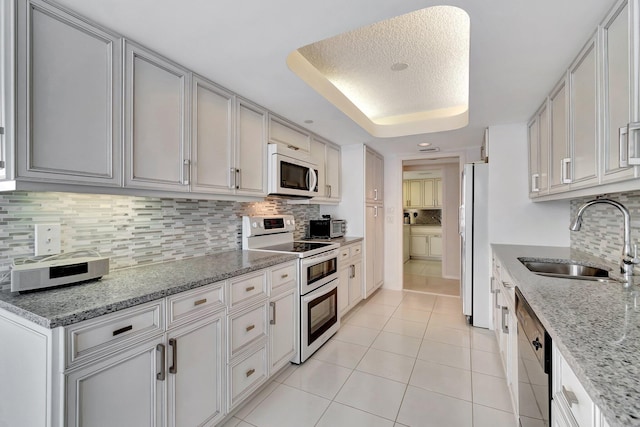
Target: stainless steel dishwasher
[[534, 366]]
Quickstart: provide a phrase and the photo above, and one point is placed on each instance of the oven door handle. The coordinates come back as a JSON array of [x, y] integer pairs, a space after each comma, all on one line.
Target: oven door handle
[[320, 258], [321, 291]]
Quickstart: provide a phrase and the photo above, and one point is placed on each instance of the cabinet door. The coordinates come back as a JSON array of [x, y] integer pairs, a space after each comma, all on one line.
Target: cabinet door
[[558, 152], [288, 134], [534, 157], [319, 156], [251, 149], [405, 194], [333, 168], [126, 389], [416, 193], [429, 194], [69, 98], [378, 268], [282, 329], [419, 245], [379, 178], [344, 275], [616, 93], [370, 241], [195, 376], [370, 176], [584, 118], [355, 284], [156, 124], [213, 117], [435, 245], [437, 186], [545, 142]]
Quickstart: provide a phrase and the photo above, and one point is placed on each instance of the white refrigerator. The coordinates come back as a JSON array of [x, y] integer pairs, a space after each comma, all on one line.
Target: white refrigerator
[[475, 284]]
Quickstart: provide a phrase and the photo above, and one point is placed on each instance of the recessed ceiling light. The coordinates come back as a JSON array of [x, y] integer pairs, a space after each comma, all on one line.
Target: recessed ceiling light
[[308, 121], [424, 144], [399, 66]]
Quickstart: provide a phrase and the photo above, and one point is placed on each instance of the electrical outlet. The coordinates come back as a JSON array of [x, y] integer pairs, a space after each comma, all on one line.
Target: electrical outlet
[[47, 239]]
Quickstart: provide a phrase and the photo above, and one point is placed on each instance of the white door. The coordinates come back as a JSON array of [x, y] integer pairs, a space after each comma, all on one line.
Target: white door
[[212, 117], [195, 376], [251, 149], [369, 249], [343, 288], [355, 284], [333, 168], [378, 268], [415, 190], [282, 329], [156, 129], [126, 389]]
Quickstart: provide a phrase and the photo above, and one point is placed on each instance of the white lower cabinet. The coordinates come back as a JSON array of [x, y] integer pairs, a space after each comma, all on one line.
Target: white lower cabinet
[[138, 367], [349, 277], [126, 389], [195, 375], [426, 242]]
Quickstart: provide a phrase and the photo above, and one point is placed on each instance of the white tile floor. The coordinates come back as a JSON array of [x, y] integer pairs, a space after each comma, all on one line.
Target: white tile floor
[[399, 359]]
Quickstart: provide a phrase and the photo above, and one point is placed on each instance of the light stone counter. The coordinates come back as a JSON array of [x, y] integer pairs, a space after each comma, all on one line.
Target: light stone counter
[[596, 326], [125, 288]]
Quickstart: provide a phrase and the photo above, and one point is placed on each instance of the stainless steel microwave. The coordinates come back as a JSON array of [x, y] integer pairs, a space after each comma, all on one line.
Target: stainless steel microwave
[[291, 172]]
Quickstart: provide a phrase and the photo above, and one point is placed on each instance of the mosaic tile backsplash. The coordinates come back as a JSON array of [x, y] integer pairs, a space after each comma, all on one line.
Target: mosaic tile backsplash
[[133, 230], [602, 226]]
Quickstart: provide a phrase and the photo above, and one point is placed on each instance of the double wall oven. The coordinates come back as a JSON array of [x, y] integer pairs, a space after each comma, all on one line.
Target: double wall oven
[[317, 276]]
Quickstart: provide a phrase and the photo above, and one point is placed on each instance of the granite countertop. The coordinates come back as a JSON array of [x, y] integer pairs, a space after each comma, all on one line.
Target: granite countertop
[[596, 326], [125, 288]]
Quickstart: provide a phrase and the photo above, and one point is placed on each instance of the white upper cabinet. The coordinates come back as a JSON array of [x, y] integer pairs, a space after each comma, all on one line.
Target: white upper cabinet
[[228, 141], [558, 138], [327, 157], [251, 149], [156, 121], [616, 77], [68, 98], [584, 137], [534, 156], [212, 116], [283, 132]]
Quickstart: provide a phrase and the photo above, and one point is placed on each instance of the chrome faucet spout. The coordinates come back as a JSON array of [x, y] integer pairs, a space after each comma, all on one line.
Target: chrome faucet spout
[[629, 259]]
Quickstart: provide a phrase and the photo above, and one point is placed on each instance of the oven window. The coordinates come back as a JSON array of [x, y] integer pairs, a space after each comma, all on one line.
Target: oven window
[[322, 313], [321, 270]]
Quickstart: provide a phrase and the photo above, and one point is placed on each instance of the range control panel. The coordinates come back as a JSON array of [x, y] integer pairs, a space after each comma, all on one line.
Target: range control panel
[[262, 225]]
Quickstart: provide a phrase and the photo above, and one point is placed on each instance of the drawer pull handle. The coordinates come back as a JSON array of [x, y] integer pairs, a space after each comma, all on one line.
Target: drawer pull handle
[[250, 327], [250, 288], [200, 301], [122, 330], [571, 397], [507, 284], [250, 372], [284, 276]]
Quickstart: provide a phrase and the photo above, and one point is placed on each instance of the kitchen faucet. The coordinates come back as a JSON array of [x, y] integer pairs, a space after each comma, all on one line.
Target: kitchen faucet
[[628, 259]]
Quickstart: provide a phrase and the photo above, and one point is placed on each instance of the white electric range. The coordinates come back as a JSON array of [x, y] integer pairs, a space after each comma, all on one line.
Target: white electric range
[[317, 276]]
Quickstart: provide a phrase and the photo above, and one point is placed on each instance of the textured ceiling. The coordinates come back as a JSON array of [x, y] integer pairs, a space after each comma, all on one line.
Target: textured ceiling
[[519, 50], [433, 43]]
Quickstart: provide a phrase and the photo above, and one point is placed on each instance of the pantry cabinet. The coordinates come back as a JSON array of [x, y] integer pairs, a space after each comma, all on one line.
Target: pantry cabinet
[[156, 128], [374, 177], [374, 249], [69, 103]]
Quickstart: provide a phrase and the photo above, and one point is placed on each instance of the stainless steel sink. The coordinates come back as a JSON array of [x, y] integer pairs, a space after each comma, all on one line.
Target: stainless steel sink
[[567, 270]]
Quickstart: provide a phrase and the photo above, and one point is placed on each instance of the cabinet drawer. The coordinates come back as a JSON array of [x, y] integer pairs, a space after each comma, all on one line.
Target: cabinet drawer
[[102, 335], [186, 305], [356, 250], [575, 396], [344, 255], [282, 276], [247, 374], [247, 288], [247, 327]]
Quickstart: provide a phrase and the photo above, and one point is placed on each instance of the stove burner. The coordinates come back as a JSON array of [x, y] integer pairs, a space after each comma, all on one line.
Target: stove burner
[[296, 247]]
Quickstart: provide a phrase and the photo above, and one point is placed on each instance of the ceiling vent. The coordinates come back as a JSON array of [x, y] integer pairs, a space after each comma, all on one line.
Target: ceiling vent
[[429, 149]]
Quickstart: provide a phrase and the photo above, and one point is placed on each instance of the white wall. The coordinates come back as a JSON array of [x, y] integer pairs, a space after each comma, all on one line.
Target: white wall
[[513, 217], [451, 237]]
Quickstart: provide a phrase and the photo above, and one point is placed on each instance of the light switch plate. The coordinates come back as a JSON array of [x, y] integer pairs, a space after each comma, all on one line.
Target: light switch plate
[[47, 239]]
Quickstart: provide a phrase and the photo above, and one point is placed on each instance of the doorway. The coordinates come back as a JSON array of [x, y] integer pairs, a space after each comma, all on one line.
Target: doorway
[[431, 253]]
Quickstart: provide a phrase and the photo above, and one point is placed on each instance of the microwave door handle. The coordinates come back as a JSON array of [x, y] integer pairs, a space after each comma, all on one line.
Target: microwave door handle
[[312, 172]]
